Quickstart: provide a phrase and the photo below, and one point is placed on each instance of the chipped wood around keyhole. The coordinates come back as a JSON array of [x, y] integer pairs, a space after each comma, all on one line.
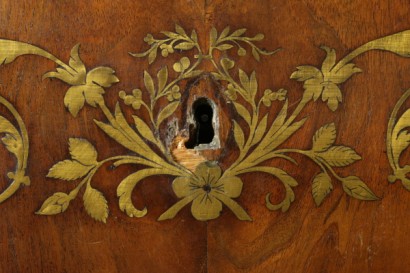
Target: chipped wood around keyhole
[[203, 87]]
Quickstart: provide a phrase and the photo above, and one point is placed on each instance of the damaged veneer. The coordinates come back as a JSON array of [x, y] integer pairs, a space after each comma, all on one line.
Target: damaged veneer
[[203, 125]]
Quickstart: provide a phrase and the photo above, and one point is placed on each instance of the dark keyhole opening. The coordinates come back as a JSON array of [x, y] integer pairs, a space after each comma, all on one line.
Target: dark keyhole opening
[[203, 131]]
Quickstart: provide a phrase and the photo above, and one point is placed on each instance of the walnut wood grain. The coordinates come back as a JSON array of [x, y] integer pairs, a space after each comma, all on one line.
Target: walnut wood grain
[[343, 235]]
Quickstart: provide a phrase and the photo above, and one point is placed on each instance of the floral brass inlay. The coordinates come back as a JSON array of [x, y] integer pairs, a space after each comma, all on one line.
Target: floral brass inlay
[[207, 188]]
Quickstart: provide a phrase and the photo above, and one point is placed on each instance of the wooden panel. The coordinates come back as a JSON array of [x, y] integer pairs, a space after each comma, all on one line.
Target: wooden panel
[[342, 235], [74, 242]]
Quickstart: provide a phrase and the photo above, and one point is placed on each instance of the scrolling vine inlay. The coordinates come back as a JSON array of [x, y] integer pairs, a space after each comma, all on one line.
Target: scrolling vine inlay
[[398, 140], [15, 139], [207, 188]]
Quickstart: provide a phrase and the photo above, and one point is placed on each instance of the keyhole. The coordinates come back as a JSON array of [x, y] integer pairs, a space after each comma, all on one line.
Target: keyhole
[[203, 131]]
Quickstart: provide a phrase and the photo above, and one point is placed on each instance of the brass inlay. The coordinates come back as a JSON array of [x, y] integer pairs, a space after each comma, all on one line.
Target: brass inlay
[[15, 139], [208, 187], [398, 140]]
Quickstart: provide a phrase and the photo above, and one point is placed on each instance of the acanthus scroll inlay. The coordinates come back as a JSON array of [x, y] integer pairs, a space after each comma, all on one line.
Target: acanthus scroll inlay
[[207, 188], [15, 139]]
